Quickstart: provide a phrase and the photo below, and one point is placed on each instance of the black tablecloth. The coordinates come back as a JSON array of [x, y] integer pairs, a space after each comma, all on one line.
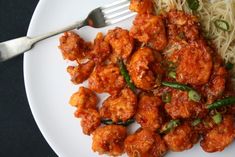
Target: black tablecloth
[[19, 134]]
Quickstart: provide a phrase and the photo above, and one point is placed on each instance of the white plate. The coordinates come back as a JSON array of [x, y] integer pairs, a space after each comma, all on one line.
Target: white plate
[[48, 85]]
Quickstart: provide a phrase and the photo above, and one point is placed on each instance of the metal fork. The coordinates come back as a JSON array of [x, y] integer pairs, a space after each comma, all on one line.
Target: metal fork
[[99, 17]]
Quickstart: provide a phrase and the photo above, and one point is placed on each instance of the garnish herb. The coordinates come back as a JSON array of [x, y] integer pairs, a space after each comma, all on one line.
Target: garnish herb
[[166, 97], [222, 102], [196, 122], [193, 4], [110, 122], [217, 118], [170, 125], [222, 24], [126, 75]]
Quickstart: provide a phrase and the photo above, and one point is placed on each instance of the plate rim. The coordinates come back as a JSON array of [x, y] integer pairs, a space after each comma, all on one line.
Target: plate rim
[[38, 122]]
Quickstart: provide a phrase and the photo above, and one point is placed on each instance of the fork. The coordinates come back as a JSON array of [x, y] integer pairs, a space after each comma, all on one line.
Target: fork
[[100, 17]]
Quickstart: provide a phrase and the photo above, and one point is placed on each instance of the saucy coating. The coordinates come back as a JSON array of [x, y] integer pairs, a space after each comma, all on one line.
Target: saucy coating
[[140, 69], [142, 6], [101, 49], [195, 64], [84, 99], [220, 136], [216, 86], [182, 25], [148, 114], [90, 120], [121, 42], [181, 138], [81, 72], [109, 140], [120, 107], [160, 148], [73, 47], [145, 143], [181, 107], [149, 29], [106, 78]]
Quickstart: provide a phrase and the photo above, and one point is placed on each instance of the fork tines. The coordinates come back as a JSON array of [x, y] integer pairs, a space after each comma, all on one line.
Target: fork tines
[[117, 11]]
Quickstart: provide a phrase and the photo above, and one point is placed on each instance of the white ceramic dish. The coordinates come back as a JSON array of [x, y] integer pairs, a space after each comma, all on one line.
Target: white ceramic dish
[[48, 85]]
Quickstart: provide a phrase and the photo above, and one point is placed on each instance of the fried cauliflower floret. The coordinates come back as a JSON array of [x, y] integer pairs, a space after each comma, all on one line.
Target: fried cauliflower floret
[[181, 107], [160, 148], [195, 64], [84, 99], [121, 42], [73, 47], [148, 114], [81, 72], [181, 138], [216, 85], [120, 107], [90, 120], [150, 29], [101, 49], [109, 140], [141, 69], [182, 25], [145, 143], [142, 6], [220, 136], [106, 78]]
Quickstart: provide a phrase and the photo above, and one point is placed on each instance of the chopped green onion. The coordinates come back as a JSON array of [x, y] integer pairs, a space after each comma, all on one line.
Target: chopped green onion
[[166, 97], [172, 74], [193, 4], [196, 122], [171, 66], [229, 66], [222, 24], [222, 102], [126, 75], [110, 122], [194, 96], [170, 125], [217, 118]]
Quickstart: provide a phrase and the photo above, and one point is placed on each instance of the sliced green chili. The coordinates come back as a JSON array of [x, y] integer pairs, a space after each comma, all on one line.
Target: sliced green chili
[[229, 66], [177, 86], [166, 97], [126, 75], [172, 74], [193, 4], [196, 122], [193, 95], [170, 125], [110, 122], [222, 102], [222, 24], [217, 118]]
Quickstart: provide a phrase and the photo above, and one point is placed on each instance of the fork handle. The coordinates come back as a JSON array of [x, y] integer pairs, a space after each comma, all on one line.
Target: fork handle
[[15, 47]]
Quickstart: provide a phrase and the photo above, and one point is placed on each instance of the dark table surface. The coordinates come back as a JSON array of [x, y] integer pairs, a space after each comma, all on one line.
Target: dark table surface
[[19, 134]]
